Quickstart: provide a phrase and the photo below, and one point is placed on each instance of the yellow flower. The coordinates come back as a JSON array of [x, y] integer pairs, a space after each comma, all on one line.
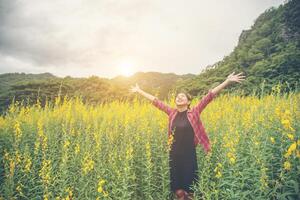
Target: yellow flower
[[46, 196], [290, 136], [70, 193], [2, 123], [28, 164], [219, 174], [66, 144], [287, 112], [229, 154], [216, 169], [11, 168], [100, 187], [170, 141], [105, 193], [17, 129], [77, 149], [6, 155], [292, 147], [287, 165], [272, 140], [287, 154], [45, 171], [19, 189], [298, 154], [18, 157], [231, 157], [232, 160], [87, 164], [285, 122], [102, 181]]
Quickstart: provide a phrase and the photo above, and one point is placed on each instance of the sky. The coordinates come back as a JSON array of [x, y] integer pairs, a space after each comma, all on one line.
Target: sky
[[107, 38]]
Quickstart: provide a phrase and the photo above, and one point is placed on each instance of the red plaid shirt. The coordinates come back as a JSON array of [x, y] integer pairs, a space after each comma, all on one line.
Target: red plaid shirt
[[193, 115]]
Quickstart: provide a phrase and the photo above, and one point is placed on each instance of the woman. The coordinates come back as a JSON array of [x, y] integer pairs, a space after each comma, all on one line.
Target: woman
[[187, 131]]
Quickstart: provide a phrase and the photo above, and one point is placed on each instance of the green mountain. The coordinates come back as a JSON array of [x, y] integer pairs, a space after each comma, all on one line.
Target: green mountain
[[268, 54], [93, 90]]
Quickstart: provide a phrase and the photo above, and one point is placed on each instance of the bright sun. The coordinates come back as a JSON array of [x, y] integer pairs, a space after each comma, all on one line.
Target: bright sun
[[126, 68]]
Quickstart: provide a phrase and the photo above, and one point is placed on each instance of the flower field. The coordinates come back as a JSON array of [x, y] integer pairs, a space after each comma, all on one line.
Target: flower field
[[119, 150]]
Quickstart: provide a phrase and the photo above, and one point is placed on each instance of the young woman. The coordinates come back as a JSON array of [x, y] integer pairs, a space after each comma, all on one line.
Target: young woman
[[187, 131]]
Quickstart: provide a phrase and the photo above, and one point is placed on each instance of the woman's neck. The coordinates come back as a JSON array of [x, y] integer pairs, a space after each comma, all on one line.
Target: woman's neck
[[182, 108]]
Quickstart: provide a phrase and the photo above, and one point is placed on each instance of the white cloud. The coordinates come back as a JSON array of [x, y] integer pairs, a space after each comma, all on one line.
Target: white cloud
[[82, 38]]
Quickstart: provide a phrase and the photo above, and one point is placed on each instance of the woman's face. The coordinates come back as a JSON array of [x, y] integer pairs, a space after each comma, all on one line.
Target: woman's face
[[181, 99]]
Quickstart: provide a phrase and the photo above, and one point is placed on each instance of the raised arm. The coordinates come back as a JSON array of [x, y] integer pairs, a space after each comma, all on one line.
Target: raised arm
[[231, 78], [213, 92], [154, 100], [203, 102]]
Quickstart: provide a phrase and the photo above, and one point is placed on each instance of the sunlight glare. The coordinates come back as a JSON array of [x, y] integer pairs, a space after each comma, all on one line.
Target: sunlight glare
[[126, 68]]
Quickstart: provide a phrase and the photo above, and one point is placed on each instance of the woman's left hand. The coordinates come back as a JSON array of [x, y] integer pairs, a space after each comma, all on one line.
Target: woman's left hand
[[235, 77]]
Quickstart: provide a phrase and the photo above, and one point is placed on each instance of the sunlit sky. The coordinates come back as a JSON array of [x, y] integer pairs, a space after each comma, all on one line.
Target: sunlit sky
[[107, 38]]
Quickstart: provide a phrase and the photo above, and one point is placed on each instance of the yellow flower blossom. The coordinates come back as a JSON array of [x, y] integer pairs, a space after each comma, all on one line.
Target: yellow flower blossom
[[298, 154], [6, 155], [287, 165], [287, 112], [100, 185], [293, 147], [45, 171], [18, 157], [287, 154], [217, 170], [77, 149], [28, 164], [105, 193], [46, 196], [87, 164], [232, 160], [18, 132], [100, 188], [231, 157], [66, 144], [12, 166], [290, 136], [170, 141], [70, 194], [19, 189], [290, 150], [219, 174]]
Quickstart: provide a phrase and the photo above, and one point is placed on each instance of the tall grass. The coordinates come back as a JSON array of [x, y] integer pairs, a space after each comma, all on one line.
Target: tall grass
[[119, 150]]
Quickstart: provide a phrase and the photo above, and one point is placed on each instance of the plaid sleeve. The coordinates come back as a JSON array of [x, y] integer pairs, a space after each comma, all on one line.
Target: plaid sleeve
[[161, 105], [203, 102]]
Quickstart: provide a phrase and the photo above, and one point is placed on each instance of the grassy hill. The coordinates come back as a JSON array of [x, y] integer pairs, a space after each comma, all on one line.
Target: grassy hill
[[29, 87], [268, 53]]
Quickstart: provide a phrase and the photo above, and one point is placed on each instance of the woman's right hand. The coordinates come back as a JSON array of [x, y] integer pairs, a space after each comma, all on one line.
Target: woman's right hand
[[135, 88]]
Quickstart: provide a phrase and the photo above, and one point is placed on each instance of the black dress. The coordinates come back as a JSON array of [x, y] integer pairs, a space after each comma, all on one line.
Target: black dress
[[183, 160]]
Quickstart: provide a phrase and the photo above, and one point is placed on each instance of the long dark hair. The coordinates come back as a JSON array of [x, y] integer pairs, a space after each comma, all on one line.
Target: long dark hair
[[187, 94]]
